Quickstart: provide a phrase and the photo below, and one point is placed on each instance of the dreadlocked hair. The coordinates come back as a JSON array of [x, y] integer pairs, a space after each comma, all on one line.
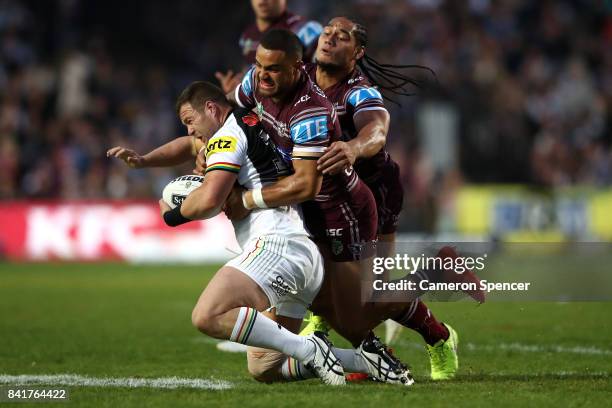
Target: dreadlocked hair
[[386, 77]]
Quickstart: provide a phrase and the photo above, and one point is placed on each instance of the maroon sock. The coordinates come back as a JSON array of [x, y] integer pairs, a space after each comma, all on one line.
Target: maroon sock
[[419, 318]]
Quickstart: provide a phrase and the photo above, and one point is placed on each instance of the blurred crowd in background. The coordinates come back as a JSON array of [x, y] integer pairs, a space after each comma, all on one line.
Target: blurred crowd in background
[[528, 83]]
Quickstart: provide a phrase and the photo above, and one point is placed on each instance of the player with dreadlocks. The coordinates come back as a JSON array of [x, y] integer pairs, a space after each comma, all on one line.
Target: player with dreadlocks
[[352, 80]]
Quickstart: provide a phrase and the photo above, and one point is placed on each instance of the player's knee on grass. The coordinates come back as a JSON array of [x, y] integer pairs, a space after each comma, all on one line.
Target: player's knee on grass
[[265, 365], [205, 321]]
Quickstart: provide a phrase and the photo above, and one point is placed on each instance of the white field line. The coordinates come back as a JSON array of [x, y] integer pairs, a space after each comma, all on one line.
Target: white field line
[[531, 348], [594, 374], [205, 340], [519, 347], [526, 348], [130, 382]]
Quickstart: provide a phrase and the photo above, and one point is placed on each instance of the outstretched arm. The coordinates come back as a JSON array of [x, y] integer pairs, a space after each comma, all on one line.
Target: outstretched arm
[[175, 152]]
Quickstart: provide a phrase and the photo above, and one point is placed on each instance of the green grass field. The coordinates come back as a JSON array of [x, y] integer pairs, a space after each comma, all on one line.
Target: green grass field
[[116, 320]]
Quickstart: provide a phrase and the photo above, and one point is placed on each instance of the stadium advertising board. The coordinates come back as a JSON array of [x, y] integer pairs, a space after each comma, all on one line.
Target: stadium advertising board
[[92, 231], [522, 214]]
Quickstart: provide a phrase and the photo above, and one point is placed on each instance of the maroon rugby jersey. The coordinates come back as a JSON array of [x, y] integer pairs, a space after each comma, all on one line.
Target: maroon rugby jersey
[[301, 129], [352, 95], [307, 31]]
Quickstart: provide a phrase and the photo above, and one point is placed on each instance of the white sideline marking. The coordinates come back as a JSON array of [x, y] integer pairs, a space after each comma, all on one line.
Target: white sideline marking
[[539, 348], [527, 348], [130, 382], [225, 345], [595, 374], [205, 340]]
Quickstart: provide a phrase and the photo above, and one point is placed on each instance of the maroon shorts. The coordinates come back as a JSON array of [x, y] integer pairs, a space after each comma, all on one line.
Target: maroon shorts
[[389, 195], [346, 228]]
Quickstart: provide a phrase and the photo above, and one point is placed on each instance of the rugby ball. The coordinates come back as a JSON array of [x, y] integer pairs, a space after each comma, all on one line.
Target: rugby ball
[[178, 189]]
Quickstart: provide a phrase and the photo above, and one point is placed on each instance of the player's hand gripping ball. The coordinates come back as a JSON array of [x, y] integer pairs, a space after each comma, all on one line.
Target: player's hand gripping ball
[[179, 188]]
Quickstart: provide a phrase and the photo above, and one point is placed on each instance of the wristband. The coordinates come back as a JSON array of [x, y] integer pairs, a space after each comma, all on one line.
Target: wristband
[[245, 202], [258, 198], [174, 217]]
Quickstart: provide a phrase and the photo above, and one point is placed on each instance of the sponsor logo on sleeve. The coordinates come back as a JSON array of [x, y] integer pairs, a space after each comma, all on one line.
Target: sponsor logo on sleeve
[[363, 94], [309, 130], [221, 144]]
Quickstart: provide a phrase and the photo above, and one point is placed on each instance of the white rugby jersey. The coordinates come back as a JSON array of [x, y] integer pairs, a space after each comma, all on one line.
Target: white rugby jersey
[[241, 146]]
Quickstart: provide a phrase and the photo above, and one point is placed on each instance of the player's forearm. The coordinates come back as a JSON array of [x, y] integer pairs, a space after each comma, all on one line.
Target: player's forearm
[[370, 140], [201, 204], [177, 151], [290, 190], [202, 212]]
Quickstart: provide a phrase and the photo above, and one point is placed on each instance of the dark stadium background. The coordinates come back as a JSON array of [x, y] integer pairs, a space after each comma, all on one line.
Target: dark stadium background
[[524, 93]]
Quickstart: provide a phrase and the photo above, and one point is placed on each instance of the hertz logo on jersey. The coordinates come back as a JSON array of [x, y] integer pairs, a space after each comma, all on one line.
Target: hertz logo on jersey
[[221, 144]]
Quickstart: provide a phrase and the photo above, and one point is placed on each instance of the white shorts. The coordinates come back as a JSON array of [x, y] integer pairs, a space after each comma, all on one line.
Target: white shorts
[[289, 269]]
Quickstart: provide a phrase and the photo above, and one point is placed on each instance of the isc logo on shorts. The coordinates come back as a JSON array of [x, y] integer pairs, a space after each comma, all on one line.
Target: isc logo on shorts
[[333, 232], [221, 144]]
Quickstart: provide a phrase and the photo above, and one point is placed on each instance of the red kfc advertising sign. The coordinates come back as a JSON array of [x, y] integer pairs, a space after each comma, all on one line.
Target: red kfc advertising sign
[[90, 231]]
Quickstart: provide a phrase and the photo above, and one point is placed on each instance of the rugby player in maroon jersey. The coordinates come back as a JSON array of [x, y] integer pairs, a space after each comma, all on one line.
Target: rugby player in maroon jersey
[[341, 71], [339, 210], [270, 14], [368, 131], [363, 133]]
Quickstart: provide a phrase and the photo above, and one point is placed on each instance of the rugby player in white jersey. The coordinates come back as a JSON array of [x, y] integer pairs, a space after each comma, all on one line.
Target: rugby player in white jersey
[[280, 266], [280, 269]]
